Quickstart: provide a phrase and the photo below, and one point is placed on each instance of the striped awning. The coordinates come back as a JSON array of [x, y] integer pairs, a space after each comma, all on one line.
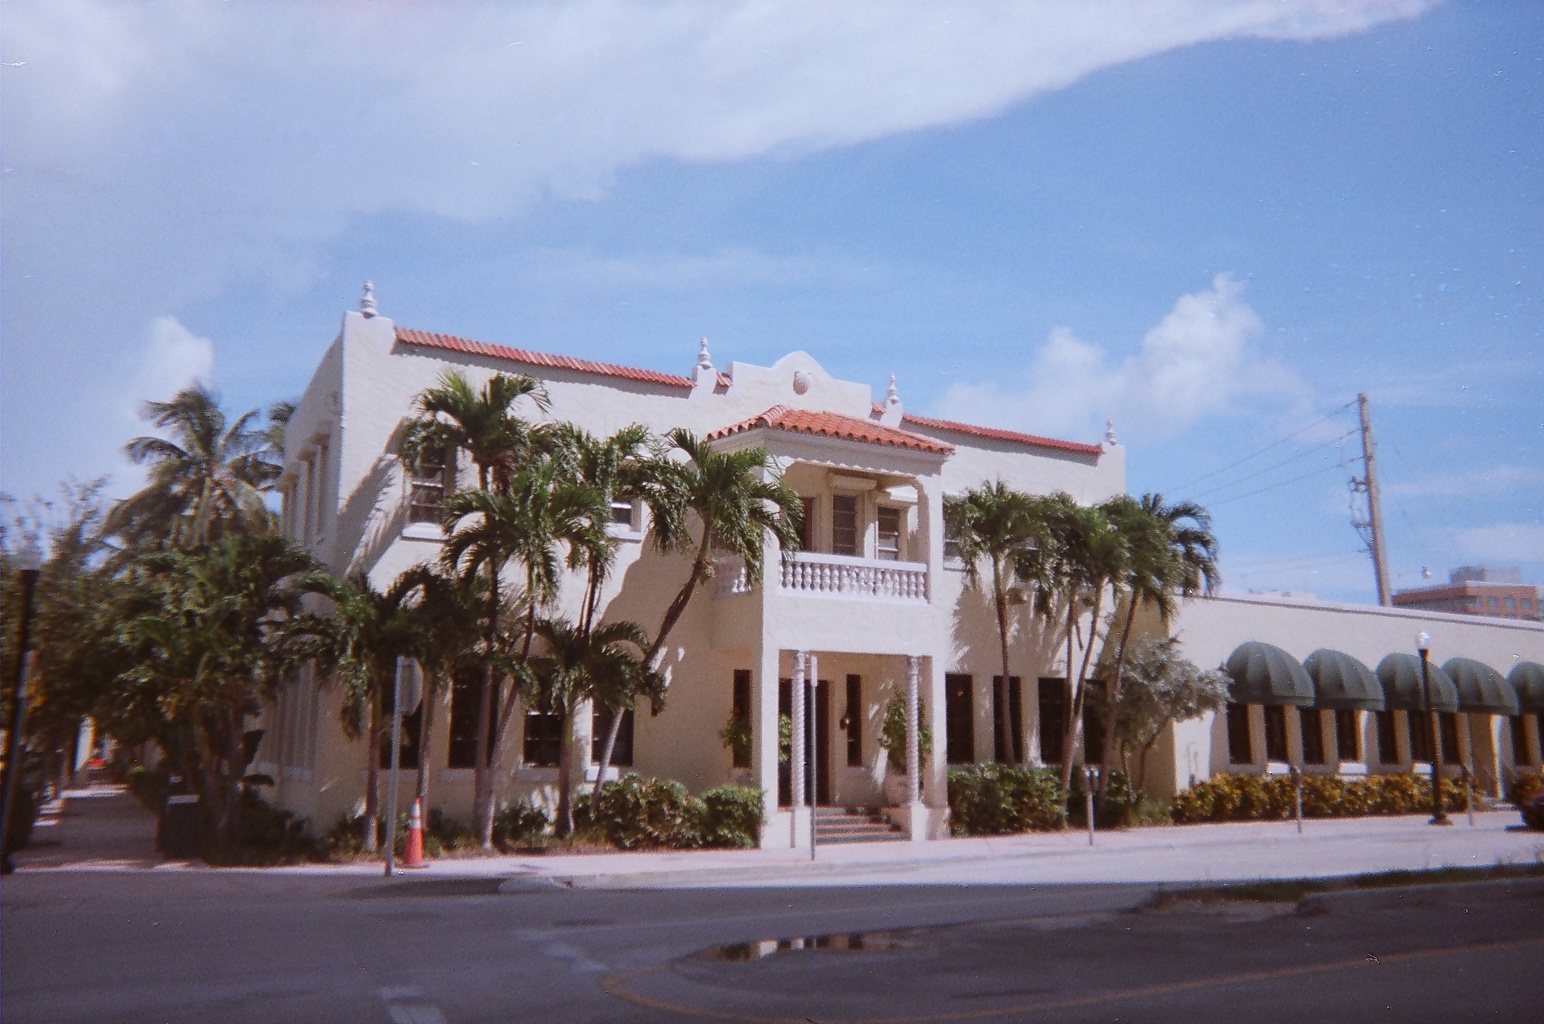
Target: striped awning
[[1481, 689], [1400, 675], [1263, 674], [1343, 683], [1527, 678]]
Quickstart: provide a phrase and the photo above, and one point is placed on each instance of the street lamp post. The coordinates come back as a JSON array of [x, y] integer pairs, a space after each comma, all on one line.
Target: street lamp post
[[1438, 815], [29, 563]]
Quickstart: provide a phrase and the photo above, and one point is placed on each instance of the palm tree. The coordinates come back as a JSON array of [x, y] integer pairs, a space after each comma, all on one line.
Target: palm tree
[[205, 482], [733, 499], [539, 513], [601, 664], [455, 416], [1172, 552], [997, 524]]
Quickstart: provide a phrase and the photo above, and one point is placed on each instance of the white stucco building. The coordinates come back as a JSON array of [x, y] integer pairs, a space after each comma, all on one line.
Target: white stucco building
[[873, 608]]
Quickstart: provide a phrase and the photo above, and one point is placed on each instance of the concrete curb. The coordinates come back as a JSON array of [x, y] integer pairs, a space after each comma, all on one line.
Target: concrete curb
[[1360, 901]]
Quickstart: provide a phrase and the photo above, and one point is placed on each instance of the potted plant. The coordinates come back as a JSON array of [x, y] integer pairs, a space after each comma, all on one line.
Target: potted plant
[[892, 740]]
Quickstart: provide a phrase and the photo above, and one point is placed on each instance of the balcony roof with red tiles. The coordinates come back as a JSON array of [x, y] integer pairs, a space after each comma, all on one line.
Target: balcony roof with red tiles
[[830, 424], [992, 433], [545, 360]]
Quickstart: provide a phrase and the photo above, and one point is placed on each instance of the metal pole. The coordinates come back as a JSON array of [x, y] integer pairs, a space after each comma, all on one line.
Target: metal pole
[[396, 764], [1090, 774], [1297, 795], [13, 746], [1374, 508], [1469, 791], [1438, 816]]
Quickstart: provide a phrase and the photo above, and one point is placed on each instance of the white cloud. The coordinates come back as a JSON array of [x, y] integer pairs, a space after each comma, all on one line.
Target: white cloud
[[1498, 479], [1197, 362], [174, 357], [1502, 543]]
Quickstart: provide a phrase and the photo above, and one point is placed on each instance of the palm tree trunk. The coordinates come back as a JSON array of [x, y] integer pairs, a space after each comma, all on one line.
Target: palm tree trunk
[[1075, 705], [425, 724], [1005, 707], [1069, 727], [483, 769], [1112, 701], [372, 784], [234, 765], [565, 815]]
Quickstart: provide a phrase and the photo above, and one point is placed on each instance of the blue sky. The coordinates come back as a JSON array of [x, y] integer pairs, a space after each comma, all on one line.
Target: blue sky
[[1210, 222]]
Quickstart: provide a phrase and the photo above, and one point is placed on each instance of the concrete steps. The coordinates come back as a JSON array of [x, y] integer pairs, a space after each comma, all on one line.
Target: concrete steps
[[853, 825]]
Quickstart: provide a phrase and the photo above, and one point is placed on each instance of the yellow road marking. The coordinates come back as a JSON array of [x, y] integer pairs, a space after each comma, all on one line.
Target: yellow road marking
[[616, 985]]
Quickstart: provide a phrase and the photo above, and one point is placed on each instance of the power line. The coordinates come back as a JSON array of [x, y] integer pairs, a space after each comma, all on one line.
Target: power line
[[1291, 480], [1273, 444], [1275, 466]]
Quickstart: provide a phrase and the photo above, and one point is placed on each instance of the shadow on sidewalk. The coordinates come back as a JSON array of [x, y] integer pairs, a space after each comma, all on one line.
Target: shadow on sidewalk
[[97, 827]]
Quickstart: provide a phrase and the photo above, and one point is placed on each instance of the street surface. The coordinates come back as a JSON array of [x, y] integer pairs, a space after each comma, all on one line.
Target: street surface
[[93, 927]]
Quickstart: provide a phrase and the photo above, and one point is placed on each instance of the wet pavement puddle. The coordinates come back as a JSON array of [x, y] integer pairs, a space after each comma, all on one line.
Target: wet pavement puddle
[[845, 942]]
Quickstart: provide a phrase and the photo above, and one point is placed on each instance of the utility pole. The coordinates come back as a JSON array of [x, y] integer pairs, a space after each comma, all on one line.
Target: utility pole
[[1372, 529]]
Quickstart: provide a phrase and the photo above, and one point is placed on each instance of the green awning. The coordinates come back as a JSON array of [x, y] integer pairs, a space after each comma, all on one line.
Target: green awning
[[1527, 678], [1400, 675], [1481, 689], [1342, 683], [1263, 674]]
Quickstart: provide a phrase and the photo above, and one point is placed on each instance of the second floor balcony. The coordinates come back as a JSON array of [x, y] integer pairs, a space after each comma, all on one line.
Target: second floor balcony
[[844, 577]]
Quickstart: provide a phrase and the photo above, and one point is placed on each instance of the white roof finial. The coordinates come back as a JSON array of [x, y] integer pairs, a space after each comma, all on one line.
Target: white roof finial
[[890, 413], [367, 301], [892, 396], [704, 361], [1109, 432]]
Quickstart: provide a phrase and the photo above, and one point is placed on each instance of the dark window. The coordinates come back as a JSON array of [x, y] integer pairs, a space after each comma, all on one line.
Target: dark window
[[1348, 738], [622, 513], [1420, 736], [844, 524], [1053, 719], [464, 691], [741, 708], [543, 731], [1522, 743], [852, 718], [1311, 724], [1093, 733], [952, 533], [1388, 749], [960, 711], [410, 727], [888, 543], [1016, 720], [807, 527], [1275, 732], [426, 492], [1448, 722], [1240, 750], [600, 727]]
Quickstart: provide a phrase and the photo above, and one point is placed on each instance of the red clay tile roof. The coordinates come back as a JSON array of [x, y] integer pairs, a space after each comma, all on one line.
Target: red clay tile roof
[[427, 339], [928, 423], [830, 424]]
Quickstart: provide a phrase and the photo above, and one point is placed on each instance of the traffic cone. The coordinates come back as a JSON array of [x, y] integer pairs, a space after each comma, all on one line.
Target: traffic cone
[[413, 856]]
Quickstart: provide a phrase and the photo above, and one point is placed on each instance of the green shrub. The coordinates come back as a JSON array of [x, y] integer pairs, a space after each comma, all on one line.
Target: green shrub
[[892, 733], [1526, 791], [994, 799], [731, 816], [1123, 806], [1257, 798], [148, 785], [637, 813], [521, 824]]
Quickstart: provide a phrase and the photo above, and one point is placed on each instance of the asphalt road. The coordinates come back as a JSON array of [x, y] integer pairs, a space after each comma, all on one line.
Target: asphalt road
[[234, 947]]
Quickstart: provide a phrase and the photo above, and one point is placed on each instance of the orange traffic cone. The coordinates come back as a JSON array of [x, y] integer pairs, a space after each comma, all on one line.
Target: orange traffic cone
[[413, 856]]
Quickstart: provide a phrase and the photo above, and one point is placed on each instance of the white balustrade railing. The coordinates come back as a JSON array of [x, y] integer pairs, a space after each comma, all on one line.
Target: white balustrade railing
[[842, 576]]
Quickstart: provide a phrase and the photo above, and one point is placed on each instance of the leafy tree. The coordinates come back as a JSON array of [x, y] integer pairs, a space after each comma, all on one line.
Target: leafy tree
[[209, 634], [206, 481], [997, 525], [1162, 687]]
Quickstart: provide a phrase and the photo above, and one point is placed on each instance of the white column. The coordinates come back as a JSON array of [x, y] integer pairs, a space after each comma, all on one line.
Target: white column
[[913, 735], [813, 717], [796, 755]]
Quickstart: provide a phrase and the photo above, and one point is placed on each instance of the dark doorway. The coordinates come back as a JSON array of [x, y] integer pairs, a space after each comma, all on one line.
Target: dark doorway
[[960, 715], [817, 745], [1053, 719], [1015, 721]]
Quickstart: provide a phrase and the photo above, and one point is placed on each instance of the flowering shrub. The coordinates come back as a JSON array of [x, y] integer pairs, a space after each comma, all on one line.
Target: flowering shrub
[[1255, 797]]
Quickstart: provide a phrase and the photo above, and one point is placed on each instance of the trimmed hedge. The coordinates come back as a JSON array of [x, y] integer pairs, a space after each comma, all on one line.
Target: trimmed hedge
[[638, 813], [1526, 791], [1255, 797], [995, 799]]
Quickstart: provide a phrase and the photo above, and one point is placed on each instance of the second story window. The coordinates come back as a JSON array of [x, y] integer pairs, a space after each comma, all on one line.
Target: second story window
[[622, 514], [888, 543], [427, 489], [807, 525], [844, 524]]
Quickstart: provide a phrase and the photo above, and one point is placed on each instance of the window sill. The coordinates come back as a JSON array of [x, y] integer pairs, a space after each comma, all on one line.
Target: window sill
[[613, 772], [617, 531], [423, 531]]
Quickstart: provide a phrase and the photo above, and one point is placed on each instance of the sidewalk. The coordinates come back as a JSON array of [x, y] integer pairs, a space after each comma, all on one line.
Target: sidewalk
[[102, 828]]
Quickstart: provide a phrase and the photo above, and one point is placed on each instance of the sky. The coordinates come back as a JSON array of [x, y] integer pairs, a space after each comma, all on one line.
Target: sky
[[1211, 222]]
